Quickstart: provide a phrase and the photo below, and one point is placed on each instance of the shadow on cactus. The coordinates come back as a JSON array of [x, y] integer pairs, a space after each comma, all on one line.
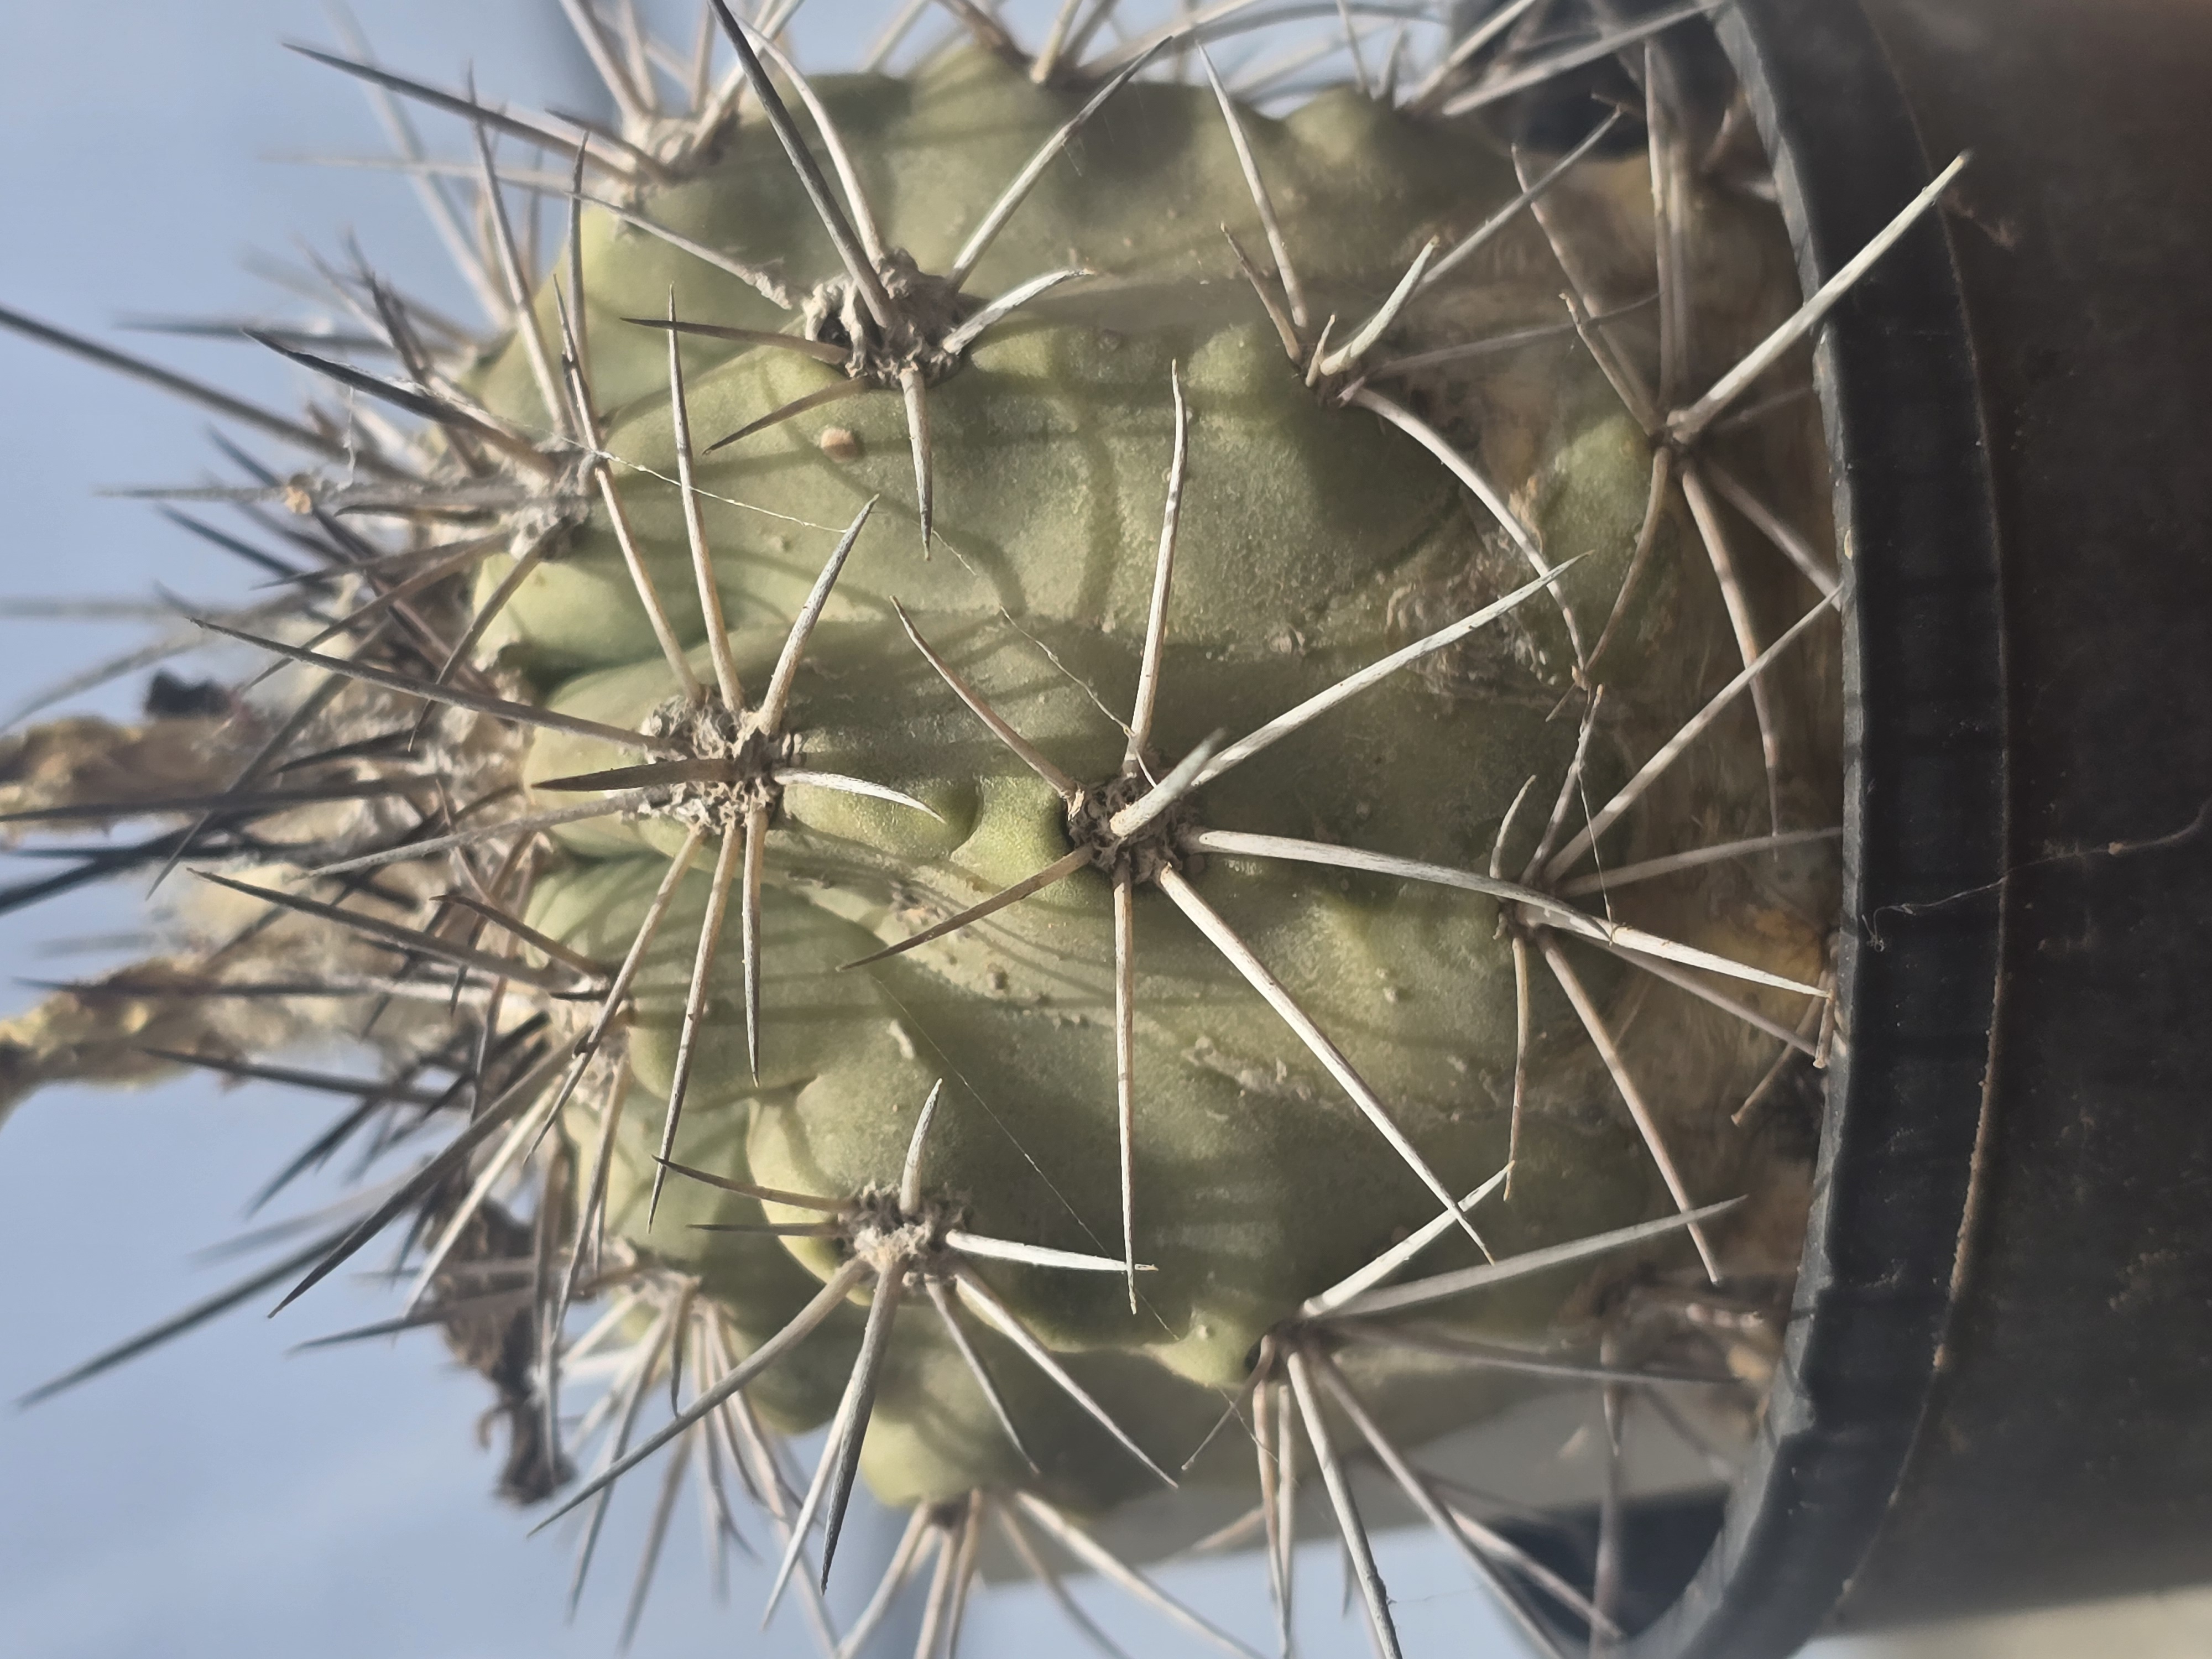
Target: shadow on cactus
[[1120, 778]]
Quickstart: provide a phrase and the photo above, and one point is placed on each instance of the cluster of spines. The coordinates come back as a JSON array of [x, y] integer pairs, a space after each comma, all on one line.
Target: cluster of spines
[[513, 1077]]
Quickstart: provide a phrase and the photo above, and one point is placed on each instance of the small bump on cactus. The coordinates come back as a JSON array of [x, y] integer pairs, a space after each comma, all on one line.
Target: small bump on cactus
[[1132, 811]]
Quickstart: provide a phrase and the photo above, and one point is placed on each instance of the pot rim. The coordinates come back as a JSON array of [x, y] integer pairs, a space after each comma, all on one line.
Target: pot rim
[[1924, 819]]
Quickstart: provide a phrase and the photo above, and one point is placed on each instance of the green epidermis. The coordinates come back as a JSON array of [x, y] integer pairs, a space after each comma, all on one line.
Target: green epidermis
[[1140, 195], [1256, 1184], [1312, 539], [1236, 1127], [1049, 451]]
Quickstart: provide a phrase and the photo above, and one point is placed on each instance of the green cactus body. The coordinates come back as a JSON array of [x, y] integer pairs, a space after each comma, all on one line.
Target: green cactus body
[[1307, 533], [1224, 1059]]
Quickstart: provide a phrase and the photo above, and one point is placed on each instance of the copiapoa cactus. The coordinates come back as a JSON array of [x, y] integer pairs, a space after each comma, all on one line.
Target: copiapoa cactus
[[1075, 764]]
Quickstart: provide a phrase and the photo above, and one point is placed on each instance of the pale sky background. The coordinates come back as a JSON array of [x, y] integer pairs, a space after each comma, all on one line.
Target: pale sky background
[[222, 1497]]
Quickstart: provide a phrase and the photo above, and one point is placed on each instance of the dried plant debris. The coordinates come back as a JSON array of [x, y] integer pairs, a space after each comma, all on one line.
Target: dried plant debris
[[1112, 760]]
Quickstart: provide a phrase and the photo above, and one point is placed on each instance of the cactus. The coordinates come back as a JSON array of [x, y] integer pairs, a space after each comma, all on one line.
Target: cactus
[[1044, 690]]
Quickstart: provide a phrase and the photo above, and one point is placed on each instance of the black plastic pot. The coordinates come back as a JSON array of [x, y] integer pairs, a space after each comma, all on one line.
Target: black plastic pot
[[1997, 1389]]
